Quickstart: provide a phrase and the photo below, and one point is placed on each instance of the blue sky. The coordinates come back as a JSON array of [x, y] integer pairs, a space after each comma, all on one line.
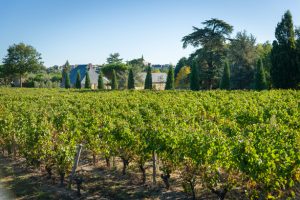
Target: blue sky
[[87, 31]]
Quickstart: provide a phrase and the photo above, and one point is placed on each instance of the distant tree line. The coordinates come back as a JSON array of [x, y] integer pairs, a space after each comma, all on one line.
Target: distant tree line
[[239, 63], [219, 61]]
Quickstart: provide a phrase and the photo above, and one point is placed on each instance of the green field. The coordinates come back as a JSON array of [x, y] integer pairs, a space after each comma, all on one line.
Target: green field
[[219, 140]]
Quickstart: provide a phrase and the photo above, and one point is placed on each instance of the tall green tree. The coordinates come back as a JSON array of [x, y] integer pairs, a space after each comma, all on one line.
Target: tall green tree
[[170, 84], [100, 81], [264, 52], [67, 80], [212, 42], [87, 83], [242, 55], [78, 81], [22, 59], [225, 81], [131, 85], [66, 68], [285, 70], [148, 80], [194, 78], [260, 78], [114, 83], [121, 71]]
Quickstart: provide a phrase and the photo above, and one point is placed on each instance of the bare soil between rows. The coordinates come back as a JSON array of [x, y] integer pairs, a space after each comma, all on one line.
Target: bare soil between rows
[[21, 182]]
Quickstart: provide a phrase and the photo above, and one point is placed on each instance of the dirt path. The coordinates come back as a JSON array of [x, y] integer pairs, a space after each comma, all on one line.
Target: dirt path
[[99, 183], [5, 194], [19, 182]]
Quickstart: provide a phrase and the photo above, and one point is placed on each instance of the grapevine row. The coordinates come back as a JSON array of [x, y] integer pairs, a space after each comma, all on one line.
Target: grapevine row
[[221, 140]]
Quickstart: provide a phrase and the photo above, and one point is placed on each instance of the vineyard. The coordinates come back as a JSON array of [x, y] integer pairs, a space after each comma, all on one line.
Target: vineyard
[[220, 140]]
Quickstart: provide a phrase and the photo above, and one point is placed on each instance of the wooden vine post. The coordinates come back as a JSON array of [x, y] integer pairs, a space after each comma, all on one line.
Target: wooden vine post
[[75, 165], [154, 167], [14, 146]]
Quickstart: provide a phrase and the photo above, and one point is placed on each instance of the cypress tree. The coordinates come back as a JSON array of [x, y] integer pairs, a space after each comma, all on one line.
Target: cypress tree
[[194, 78], [148, 80], [131, 85], [78, 81], [67, 80], [114, 84], [100, 81], [260, 78], [225, 82], [87, 83], [170, 80], [66, 68], [284, 70]]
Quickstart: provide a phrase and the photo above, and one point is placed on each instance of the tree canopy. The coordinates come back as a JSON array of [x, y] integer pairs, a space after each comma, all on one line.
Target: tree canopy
[[214, 34], [211, 40], [243, 55], [118, 67], [22, 59], [285, 62], [114, 58]]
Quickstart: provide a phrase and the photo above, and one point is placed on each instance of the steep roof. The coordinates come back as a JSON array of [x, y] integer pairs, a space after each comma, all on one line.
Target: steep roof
[[156, 77], [82, 69]]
